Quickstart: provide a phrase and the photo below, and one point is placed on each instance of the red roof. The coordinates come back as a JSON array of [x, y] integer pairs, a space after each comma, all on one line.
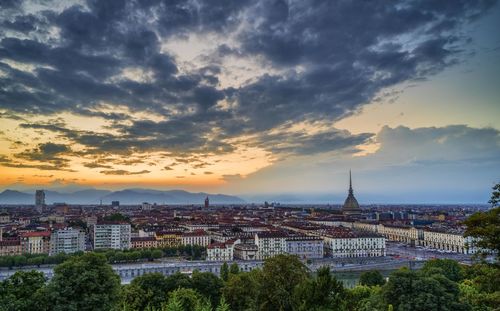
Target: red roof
[[35, 234]]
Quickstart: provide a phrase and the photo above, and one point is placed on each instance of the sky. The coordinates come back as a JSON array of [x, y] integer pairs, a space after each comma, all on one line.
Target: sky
[[256, 98]]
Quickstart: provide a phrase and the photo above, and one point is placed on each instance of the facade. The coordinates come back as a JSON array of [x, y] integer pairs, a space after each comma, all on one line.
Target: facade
[[169, 238], [144, 242], [10, 247], [4, 218], [112, 236], [305, 247], [35, 242], [220, 252], [68, 240], [198, 237], [245, 251], [448, 241], [270, 244], [343, 243]]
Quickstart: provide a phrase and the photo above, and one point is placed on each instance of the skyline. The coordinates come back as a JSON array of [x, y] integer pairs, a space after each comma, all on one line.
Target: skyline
[[252, 98]]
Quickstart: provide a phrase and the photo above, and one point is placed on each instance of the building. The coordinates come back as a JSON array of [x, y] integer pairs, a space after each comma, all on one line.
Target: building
[[270, 244], [169, 238], [112, 235], [244, 251], [4, 218], [351, 205], [221, 251], [67, 240], [145, 206], [448, 241], [342, 242], [115, 204], [305, 247], [39, 200], [37, 242], [10, 247], [144, 242], [207, 202], [197, 237]]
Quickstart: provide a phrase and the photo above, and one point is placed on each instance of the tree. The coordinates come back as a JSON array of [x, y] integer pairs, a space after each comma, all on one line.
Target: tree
[[371, 278], [322, 292], [279, 277], [84, 283], [234, 268], [21, 291], [208, 285], [117, 217], [495, 196], [241, 291], [188, 298], [223, 306], [178, 280], [146, 291], [224, 272], [485, 227], [448, 267], [407, 290]]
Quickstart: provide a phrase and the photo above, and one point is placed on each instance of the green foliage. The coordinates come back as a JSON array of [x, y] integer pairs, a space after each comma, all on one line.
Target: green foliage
[[223, 306], [224, 271], [234, 268], [371, 278], [280, 275], [448, 267], [22, 291], [188, 298], [495, 196], [117, 217], [409, 290], [322, 292], [485, 226], [208, 285], [242, 290], [83, 283]]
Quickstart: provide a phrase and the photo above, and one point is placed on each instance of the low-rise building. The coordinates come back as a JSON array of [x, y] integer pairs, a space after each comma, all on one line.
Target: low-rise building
[[144, 242], [169, 238], [220, 251], [36, 242], [197, 237], [448, 241], [245, 251], [10, 247], [112, 235], [345, 243], [305, 247]]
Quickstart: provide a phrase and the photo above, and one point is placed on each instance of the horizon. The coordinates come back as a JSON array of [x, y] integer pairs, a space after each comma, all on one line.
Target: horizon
[[252, 98]]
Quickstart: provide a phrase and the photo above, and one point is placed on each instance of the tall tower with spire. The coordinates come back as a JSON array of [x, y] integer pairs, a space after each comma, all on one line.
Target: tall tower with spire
[[351, 205]]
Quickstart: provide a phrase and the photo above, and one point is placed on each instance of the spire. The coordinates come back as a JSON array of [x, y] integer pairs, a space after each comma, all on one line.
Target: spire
[[350, 183]]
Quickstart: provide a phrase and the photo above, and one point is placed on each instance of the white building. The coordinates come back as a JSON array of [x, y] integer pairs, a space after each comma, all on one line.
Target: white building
[[305, 247], [270, 244], [68, 240], [198, 237], [245, 251], [448, 241], [221, 251], [112, 235], [344, 243]]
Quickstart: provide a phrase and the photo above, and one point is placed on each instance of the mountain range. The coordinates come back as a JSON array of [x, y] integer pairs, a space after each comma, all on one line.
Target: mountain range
[[127, 196]]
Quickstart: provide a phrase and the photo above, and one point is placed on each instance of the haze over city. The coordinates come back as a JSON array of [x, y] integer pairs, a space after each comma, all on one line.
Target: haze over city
[[259, 99]]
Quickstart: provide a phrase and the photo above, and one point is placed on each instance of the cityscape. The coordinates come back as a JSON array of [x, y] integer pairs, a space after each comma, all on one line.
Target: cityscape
[[236, 155]]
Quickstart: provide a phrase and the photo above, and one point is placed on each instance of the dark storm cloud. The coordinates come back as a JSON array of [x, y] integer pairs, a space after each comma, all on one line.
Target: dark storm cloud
[[332, 58]]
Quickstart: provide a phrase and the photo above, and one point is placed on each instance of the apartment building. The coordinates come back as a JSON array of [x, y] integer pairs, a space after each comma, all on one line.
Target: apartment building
[[112, 235]]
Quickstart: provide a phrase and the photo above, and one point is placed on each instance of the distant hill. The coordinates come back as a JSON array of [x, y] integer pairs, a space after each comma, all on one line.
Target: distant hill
[[137, 196], [127, 196], [16, 197]]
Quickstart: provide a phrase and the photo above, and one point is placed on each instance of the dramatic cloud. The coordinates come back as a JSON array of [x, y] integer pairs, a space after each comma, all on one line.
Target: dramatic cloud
[[115, 87]]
